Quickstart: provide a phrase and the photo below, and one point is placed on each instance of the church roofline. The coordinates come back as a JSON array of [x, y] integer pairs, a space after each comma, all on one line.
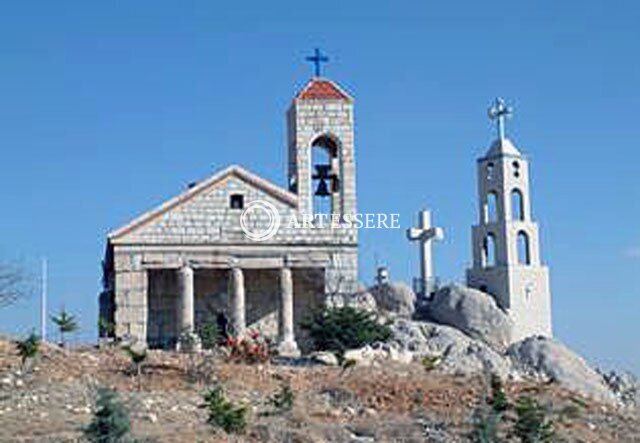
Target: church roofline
[[276, 191], [321, 88], [502, 148]]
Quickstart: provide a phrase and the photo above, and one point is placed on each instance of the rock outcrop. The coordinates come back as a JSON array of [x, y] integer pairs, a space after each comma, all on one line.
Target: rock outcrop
[[545, 358], [625, 386], [395, 297], [473, 312], [457, 353]]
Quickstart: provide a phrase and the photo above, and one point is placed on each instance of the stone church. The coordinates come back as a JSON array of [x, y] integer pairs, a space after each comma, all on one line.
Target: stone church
[[203, 255], [188, 261]]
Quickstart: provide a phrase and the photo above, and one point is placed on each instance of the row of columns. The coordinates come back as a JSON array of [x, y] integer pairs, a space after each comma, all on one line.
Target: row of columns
[[286, 338]]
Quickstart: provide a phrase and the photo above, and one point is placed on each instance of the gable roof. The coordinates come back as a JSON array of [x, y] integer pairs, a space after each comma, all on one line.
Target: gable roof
[[319, 88], [272, 189]]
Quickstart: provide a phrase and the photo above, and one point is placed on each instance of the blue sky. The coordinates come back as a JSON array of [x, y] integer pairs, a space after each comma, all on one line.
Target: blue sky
[[109, 108]]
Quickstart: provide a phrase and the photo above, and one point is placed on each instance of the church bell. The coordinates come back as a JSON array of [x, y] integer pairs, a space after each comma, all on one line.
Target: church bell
[[323, 189]]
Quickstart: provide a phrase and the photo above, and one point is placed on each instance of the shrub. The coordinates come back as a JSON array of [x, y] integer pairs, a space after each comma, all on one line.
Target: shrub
[[253, 348], [488, 417], [28, 348], [223, 413], [110, 423], [430, 362], [282, 400], [137, 354], [337, 329], [532, 424], [106, 328], [210, 334], [499, 402], [486, 423]]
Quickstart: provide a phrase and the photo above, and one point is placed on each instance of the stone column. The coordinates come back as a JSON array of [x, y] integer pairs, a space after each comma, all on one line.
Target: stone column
[[186, 300], [236, 292], [287, 345]]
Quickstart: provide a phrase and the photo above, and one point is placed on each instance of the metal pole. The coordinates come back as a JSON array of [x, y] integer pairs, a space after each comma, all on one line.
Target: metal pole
[[43, 302]]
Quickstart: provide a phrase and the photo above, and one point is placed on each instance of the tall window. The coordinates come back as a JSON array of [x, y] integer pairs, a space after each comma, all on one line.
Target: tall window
[[489, 251], [491, 207], [517, 205], [325, 175], [524, 257]]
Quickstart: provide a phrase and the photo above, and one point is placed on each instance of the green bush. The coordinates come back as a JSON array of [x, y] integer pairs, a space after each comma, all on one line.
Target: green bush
[[28, 348], [532, 424], [223, 413], [339, 329], [499, 401], [110, 423], [282, 400], [486, 425], [488, 418], [210, 334]]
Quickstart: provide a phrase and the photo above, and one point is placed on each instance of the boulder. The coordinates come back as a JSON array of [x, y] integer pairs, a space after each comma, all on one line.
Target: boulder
[[324, 358], [545, 358], [473, 312], [360, 300], [395, 297], [378, 353], [455, 352], [625, 386]]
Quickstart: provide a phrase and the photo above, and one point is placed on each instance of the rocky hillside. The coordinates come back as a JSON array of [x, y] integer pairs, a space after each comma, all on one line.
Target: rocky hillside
[[379, 402], [434, 380]]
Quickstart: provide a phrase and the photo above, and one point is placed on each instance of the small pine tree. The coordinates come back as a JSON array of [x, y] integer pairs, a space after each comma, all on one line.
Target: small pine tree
[[499, 402], [282, 400], [339, 329], [110, 423], [138, 355], [66, 323], [486, 425], [223, 413], [28, 348], [532, 424], [209, 334]]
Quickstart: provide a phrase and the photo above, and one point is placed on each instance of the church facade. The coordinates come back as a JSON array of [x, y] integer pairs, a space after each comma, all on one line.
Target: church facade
[[173, 269]]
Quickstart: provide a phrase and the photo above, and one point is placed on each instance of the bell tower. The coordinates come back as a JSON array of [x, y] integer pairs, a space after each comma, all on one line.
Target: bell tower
[[506, 248], [321, 148]]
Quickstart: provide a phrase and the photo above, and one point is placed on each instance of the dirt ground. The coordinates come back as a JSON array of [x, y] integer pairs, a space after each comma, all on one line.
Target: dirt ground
[[54, 400]]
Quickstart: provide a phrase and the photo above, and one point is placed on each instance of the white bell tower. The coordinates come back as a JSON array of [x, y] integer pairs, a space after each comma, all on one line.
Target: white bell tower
[[506, 248]]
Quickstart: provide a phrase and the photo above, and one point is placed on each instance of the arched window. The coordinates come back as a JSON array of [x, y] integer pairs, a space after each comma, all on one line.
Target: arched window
[[524, 256], [491, 209], [325, 175], [490, 168], [489, 251], [517, 205]]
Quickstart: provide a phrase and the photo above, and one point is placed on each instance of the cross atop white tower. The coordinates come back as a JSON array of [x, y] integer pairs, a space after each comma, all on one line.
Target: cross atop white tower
[[499, 111]]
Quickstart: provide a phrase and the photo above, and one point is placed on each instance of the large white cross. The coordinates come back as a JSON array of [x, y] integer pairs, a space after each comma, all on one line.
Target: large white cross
[[425, 234]]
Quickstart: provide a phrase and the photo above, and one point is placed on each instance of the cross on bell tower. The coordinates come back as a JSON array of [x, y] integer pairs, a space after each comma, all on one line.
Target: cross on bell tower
[[506, 244], [317, 59], [499, 112]]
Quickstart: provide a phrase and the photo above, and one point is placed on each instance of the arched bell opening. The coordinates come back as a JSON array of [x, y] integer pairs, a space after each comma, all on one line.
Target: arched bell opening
[[489, 253], [325, 163]]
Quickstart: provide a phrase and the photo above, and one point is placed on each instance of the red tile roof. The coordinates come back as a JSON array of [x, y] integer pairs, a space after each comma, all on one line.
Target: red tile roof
[[322, 89]]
